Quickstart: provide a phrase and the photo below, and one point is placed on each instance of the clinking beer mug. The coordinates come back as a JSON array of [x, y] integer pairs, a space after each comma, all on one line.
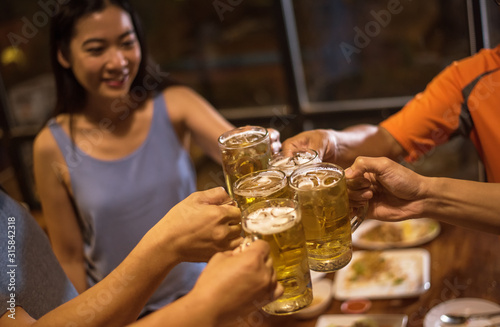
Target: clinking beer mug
[[278, 222], [321, 191], [260, 185], [296, 159], [244, 150]]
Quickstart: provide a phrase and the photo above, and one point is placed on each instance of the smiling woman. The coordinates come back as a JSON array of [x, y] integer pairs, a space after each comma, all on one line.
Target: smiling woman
[[113, 158], [104, 55], [105, 49]]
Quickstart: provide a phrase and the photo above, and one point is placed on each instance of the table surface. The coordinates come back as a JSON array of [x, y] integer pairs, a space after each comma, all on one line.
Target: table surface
[[464, 264]]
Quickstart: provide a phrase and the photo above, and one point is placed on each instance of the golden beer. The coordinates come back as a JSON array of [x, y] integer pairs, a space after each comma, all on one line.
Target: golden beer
[[260, 185], [297, 159], [321, 192], [277, 222], [244, 150]]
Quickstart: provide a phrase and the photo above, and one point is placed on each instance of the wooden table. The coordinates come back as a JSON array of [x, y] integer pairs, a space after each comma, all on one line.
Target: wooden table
[[464, 263]]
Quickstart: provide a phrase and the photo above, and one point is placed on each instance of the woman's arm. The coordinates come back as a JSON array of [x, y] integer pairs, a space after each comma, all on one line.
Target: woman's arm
[[50, 173], [193, 116], [191, 113]]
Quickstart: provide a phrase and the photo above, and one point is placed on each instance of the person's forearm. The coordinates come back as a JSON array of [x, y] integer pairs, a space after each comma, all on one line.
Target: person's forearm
[[362, 140], [466, 203], [188, 311], [75, 271], [118, 299]]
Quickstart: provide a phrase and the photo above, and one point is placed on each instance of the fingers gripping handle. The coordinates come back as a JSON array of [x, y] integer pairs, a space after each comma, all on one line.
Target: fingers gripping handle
[[359, 214]]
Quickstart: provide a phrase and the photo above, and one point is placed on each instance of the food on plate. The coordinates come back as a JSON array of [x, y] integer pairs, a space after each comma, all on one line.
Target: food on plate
[[365, 322], [384, 274], [356, 305], [403, 231], [373, 266]]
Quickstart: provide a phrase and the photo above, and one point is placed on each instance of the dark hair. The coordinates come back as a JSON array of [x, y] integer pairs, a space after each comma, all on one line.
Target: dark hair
[[71, 96]]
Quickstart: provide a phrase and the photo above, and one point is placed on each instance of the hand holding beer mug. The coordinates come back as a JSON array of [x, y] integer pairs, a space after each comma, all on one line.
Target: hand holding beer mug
[[321, 191], [244, 150], [299, 158], [260, 185], [278, 222]]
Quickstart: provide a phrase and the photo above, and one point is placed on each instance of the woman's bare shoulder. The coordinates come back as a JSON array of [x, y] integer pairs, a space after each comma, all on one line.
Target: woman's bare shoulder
[[181, 101], [180, 93], [44, 141]]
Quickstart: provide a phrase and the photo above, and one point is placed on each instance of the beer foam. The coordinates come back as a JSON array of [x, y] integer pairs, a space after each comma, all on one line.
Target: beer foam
[[316, 179], [329, 181], [264, 180], [301, 158], [251, 138], [244, 139], [254, 183], [283, 162], [262, 183], [308, 182], [300, 161], [271, 220], [298, 158]]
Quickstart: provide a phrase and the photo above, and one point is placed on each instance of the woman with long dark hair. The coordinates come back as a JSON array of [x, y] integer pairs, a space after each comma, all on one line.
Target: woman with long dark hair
[[113, 159]]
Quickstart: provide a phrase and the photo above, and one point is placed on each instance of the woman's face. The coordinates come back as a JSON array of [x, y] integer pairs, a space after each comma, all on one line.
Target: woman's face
[[104, 53]]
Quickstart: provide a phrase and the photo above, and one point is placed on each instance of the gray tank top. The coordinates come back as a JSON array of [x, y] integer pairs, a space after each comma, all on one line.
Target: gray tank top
[[118, 201], [31, 275]]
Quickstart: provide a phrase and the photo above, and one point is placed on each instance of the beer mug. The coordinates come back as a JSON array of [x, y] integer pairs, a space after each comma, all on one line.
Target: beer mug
[[299, 158], [278, 222], [260, 185], [321, 191], [244, 150]]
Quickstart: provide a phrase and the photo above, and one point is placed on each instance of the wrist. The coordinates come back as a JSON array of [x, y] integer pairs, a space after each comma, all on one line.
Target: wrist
[[189, 310], [429, 195], [331, 152], [160, 243], [204, 306]]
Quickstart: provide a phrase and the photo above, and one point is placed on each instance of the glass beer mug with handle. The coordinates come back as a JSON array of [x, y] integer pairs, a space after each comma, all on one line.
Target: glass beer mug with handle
[[244, 150], [278, 222], [321, 191]]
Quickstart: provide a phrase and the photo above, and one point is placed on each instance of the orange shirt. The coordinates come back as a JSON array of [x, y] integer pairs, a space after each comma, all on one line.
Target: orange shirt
[[463, 99]]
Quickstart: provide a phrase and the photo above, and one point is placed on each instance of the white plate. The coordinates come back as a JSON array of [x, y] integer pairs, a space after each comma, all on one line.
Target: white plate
[[407, 275], [383, 320], [316, 275], [412, 232], [322, 297], [462, 306]]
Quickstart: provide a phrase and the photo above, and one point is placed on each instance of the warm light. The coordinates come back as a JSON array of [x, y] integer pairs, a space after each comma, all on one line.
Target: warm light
[[13, 55]]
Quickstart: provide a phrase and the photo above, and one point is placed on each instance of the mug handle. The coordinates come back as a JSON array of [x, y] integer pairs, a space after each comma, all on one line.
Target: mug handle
[[246, 242], [358, 216]]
